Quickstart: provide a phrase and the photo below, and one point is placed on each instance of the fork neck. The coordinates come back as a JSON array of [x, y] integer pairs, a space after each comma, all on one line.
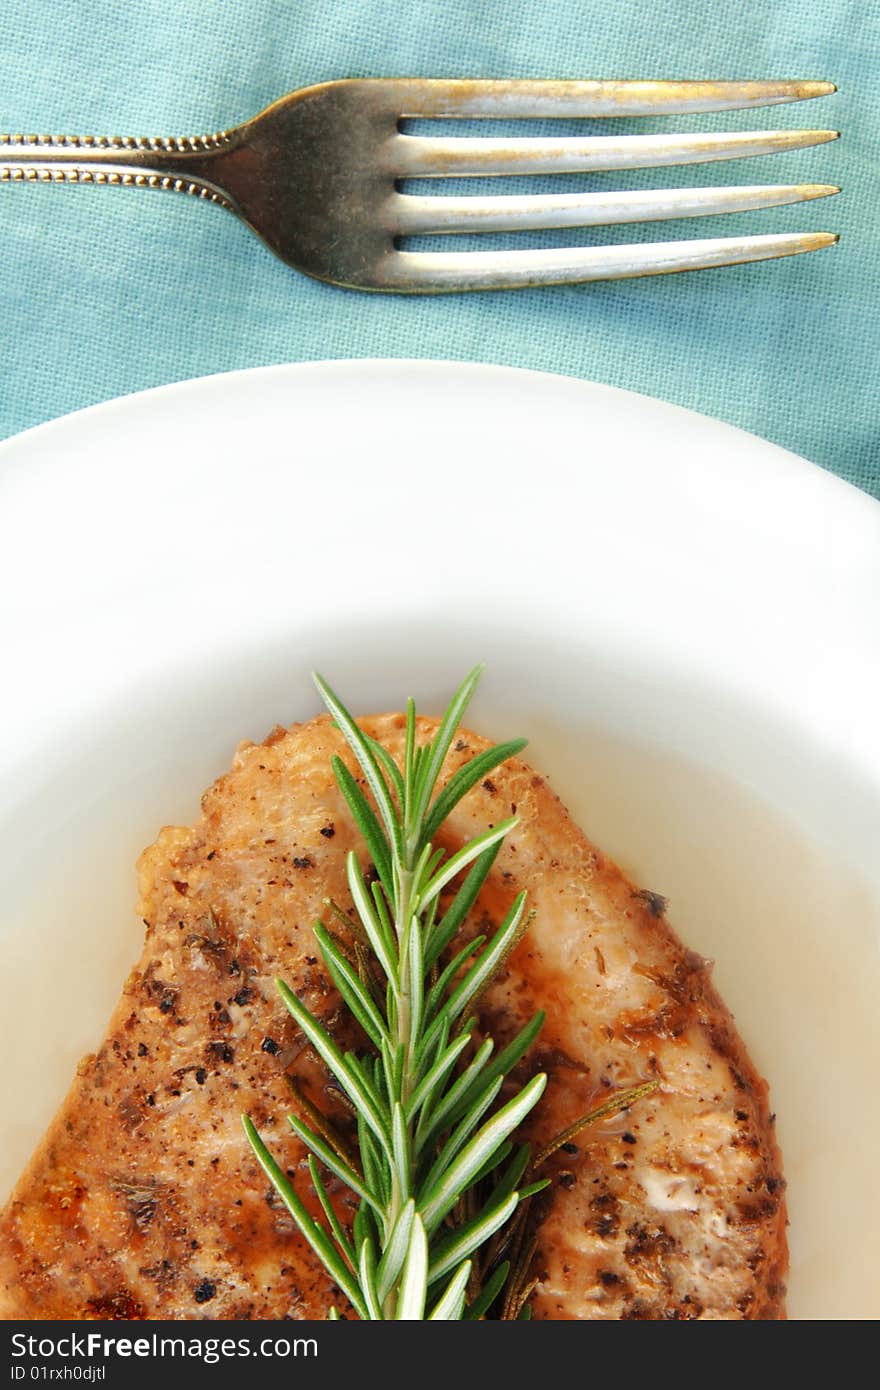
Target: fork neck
[[182, 164]]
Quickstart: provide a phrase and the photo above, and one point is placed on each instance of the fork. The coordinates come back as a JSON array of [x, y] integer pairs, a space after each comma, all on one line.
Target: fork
[[316, 175]]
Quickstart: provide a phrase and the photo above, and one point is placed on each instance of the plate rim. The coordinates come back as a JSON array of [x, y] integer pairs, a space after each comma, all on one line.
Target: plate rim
[[430, 366]]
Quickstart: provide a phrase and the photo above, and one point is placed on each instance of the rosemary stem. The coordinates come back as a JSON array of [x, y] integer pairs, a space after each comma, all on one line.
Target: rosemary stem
[[411, 1174], [405, 925]]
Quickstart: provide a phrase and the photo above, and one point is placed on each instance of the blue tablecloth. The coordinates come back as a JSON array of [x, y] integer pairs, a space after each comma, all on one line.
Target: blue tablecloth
[[104, 292]]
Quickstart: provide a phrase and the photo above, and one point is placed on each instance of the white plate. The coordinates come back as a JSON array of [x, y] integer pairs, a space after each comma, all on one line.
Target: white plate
[[684, 620]]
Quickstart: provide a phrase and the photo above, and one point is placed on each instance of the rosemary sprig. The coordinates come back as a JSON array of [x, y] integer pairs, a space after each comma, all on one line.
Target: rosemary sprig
[[437, 1173]]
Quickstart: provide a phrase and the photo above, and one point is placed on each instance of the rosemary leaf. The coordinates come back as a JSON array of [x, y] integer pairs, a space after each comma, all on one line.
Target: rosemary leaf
[[437, 1202], [450, 1304], [461, 904], [362, 751], [365, 820], [467, 777], [459, 1137], [443, 739], [349, 1079], [330, 1158], [489, 1292], [390, 768], [333, 1220], [314, 1234], [468, 1238], [319, 1121], [350, 987], [414, 1279], [437, 999], [503, 1064], [466, 1084], [394, 1254], [432, 1083], [621, 1100], [367, 1274], [464, 856]]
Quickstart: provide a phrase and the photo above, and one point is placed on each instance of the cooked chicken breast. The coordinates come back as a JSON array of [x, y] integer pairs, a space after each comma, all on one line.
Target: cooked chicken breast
[[144, 1200]]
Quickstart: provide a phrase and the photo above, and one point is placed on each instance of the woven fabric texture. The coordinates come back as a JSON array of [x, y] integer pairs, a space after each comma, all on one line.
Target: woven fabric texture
[[104, 292]]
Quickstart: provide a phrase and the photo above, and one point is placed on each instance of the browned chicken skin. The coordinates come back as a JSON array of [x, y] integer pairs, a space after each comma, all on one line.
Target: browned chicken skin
[[144, 1201]]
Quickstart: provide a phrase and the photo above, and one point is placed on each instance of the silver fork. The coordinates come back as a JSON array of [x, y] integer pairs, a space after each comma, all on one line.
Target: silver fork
[[316, 176]]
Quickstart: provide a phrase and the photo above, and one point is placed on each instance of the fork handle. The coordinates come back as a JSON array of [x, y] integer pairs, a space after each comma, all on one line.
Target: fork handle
[[182, 164]]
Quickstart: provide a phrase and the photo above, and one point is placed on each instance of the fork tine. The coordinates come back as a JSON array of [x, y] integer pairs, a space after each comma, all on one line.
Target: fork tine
[[427, 157], [428, 216], [430, 272], [574, 99]]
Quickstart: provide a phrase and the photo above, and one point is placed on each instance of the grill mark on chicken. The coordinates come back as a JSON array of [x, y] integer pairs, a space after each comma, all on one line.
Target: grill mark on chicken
[[144, 1201]]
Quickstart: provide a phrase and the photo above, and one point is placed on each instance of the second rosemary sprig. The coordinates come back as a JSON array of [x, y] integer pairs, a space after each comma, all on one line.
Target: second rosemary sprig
[[436, 1172]]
